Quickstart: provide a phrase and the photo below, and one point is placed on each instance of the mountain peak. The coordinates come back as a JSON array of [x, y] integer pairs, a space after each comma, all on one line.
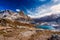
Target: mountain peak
[[14, 15], [21, 13]]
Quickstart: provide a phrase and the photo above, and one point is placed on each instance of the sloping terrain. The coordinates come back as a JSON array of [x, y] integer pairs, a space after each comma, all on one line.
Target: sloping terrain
[[25, 34], [17, 26]]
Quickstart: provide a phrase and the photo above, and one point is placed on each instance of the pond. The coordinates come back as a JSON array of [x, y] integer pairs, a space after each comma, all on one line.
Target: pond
[[45, 27]]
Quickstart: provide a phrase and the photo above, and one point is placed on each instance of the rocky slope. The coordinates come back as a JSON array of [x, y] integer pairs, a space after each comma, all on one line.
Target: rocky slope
[[17, 26], [27, 34], [10, 18]]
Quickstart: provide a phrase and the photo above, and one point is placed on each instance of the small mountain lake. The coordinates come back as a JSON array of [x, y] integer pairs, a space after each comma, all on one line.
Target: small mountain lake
[[46, 27]]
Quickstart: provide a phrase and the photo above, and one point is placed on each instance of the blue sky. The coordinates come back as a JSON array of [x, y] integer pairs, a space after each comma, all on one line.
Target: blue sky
[[33, 8], [21, 4], [49, 8]]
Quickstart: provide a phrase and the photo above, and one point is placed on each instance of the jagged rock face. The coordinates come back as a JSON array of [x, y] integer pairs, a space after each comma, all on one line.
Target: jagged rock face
[[14, 19], [12, 29], [7, 22], [21, 13], [6, 13], [14, 15], [24, 16]]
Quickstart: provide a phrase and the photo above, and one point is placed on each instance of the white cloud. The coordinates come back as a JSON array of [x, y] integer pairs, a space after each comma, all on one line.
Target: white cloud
[[55, 1], [18, 10], [45, 10], [56, 8]]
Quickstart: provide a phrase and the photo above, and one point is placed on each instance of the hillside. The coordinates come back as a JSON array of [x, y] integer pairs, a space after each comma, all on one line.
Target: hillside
[[17, 26]]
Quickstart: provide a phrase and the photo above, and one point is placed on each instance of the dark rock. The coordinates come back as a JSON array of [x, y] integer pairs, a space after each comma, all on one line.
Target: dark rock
[[54, 37]]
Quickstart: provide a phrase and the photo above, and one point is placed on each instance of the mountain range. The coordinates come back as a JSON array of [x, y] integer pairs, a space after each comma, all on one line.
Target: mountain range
[[49, 18], [14, 19]]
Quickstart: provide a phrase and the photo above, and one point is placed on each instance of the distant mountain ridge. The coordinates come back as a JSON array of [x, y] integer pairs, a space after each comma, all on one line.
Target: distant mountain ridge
[[48, 18]]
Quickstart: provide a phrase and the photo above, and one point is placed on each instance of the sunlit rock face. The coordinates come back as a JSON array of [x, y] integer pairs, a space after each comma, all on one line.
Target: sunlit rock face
[[11, 18], [11, 14], [17, 26]]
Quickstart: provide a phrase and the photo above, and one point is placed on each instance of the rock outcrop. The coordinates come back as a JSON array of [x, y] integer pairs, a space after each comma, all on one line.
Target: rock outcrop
[[17, 26], [15, 19]]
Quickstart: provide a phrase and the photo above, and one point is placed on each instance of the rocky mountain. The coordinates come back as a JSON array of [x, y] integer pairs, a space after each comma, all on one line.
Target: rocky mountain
[[14, 19], [48, 18], [13, 15], [17, 26]]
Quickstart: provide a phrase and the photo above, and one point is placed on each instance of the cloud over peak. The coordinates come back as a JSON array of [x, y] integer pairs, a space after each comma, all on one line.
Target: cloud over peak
[[47, 9]]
